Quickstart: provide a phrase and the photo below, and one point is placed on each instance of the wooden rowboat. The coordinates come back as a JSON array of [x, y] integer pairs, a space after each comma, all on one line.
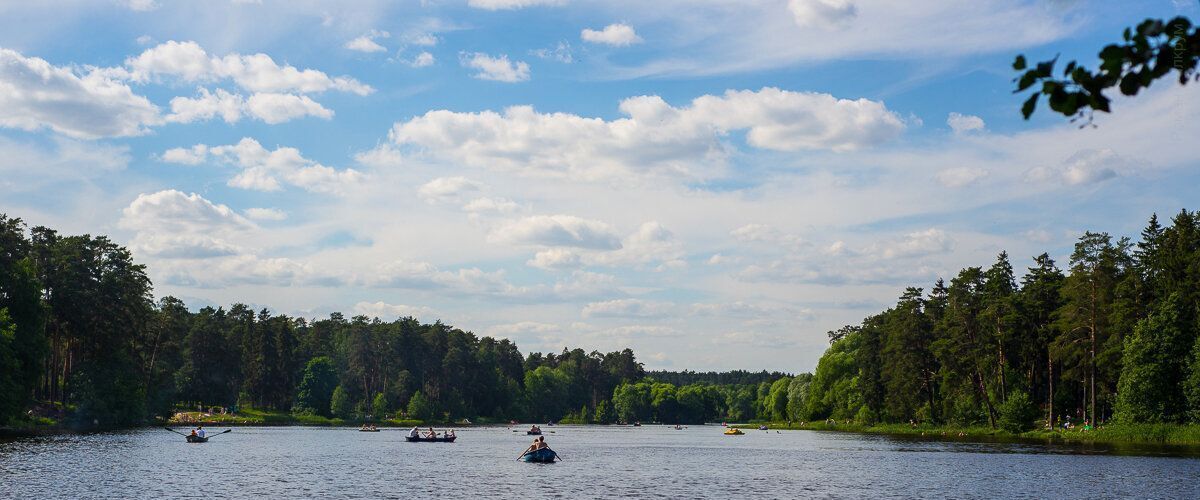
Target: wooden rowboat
[[196, 439], [424, 439]]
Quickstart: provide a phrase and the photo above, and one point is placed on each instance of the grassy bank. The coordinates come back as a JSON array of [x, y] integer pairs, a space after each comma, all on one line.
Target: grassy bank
[[1171, 434], [252, 416]]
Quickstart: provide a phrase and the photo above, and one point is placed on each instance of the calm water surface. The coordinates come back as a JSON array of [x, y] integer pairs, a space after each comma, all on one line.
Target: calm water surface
[[645, 462]]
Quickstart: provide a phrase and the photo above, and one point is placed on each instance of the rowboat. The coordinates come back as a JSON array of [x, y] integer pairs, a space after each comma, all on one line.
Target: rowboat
[[533, 433], [542, 456], [423, 439], [733, 432], [368, 430], [196, 439]]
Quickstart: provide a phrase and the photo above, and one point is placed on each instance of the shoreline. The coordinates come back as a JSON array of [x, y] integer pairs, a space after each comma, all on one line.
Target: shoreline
[[1146, 435]]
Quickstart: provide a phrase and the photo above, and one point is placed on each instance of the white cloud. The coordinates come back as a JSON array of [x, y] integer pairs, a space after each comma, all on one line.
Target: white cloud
[[278, 108], [267, 214], [171, 224], [557, 230], [422, 60], [512, 4], [957, 177], [962, 124], [387, 311], [444, 189], [561, 53], [626, 308], [422, 39], [425, 276], [186, 156], [256, 73], [144, 39], [367, 43], [206, 106], [916, 244], [763, 233], [262, 170], [756, 339], [1087, 166], [554, 258], [142, 5], [617, 35], [498, 69], [267, 107], [655, 138], [35, 94], [490, 205], [822, 13]]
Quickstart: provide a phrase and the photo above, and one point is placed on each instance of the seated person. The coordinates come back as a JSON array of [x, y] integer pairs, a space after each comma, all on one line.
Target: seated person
[[414, 433]]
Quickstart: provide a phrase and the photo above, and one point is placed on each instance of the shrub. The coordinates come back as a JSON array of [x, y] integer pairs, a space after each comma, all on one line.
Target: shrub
[[1017, 414]]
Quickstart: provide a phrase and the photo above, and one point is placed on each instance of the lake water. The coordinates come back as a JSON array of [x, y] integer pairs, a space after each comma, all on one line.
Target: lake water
[[644, 462]]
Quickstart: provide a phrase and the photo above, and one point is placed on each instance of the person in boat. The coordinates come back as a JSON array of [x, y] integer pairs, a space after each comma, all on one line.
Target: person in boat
[[414, 433], [200, 431], [193, 432], [432, 434], [534, 428], [449, 434]]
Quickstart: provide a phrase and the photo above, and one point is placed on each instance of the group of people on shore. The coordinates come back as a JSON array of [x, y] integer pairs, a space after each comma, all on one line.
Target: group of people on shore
[[430, 434]]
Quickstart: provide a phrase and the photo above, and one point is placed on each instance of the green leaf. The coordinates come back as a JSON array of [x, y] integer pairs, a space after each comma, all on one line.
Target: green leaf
[[1028, 107], [1019, 64]]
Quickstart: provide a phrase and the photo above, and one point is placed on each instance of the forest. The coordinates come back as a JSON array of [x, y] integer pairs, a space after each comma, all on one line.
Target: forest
[[1112, 337], [82, 338]]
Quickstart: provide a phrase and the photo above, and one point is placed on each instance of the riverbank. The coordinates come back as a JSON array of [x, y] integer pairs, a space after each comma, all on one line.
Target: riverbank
[[258, 417], [1147, 434]]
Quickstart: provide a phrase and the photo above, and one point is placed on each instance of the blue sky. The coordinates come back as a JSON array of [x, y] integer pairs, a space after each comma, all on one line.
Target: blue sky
[[715, 184]]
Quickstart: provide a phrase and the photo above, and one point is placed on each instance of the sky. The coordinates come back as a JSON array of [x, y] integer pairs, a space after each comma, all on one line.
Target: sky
[[715, 184]]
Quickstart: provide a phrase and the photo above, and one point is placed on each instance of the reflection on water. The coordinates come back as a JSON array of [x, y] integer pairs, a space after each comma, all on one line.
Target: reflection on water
[[649, 461]]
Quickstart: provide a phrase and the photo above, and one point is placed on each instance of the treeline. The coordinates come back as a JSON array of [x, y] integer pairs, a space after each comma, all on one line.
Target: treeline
[[1114, 337], [81, 336]]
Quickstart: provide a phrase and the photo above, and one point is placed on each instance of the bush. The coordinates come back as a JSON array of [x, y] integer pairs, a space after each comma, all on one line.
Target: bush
[[420, 408], [1017, 414], [865, 416], [340, 404]]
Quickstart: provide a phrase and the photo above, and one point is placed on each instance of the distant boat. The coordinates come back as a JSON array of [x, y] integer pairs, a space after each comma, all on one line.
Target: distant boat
[[533, 433], [542, 456], [368, 430], [734, 432], [196, 439], [678, 427], [762, 427], [423, 439], [637, 424]]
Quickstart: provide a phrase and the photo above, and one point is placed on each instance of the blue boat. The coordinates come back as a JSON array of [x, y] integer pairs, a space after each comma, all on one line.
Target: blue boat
[[542, 456]]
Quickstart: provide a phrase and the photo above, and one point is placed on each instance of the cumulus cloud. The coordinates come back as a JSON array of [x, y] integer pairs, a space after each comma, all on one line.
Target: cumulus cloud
[[171, 224], [268, 107], [822, 13], [626, 308], [490, 205], [267, 214], [962, 124], [367, 43], [426, 276], [422, 60], [445, 189], [957, 177], [655, 138], [388, 311], [35, 94], [617, 35], [1086, 166], [554, 258], [264, 170], [189, 62], [142, 5], [512, 4], [557, 231], [498, 69]]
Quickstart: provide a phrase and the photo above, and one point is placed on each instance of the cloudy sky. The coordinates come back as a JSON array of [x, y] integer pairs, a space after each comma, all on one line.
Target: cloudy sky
[[713, 183]]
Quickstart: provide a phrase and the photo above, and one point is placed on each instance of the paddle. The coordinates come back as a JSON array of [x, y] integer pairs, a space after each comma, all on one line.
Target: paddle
[[219, 433], [175, 431]]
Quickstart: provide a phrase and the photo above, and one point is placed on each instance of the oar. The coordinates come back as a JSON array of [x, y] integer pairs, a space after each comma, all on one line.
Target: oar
[[219, 433], [175, 431]]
